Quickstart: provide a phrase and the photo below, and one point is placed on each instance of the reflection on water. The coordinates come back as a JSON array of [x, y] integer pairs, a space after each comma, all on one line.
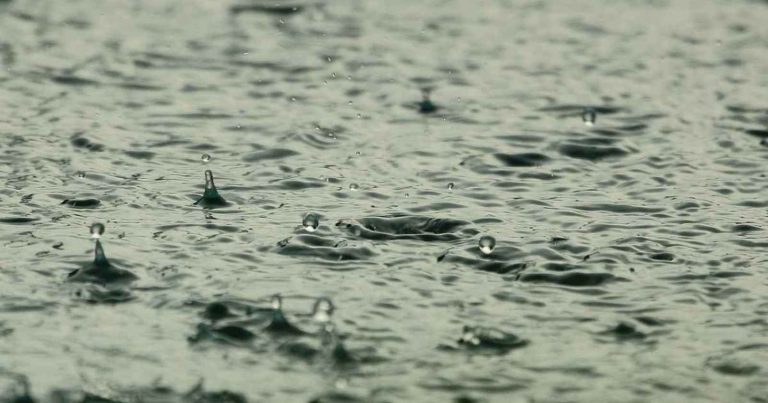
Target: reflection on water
[[540, 201]]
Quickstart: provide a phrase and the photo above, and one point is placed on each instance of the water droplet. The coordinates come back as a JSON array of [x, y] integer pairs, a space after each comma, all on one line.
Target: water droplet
[[354, 187], [206, 158], [323, 310], [589, 115], [450, 186], [486, 244], [293, 99], [277, 302], [330, 59], [764, 142], [458, 99], [310, 222], [81, 174], [97, 229], [359, 116]]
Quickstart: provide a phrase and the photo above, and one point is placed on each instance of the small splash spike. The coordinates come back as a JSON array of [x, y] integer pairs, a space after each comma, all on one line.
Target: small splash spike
[[322, 314], [426, 105], [589, 116], [100, 270], [211, 197], [279, 323]]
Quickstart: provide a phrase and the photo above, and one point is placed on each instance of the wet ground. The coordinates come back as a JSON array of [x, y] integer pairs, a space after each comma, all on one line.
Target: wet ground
[[629, 262]]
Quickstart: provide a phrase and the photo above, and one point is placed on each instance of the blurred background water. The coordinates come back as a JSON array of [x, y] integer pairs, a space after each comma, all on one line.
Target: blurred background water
[[614, 151]]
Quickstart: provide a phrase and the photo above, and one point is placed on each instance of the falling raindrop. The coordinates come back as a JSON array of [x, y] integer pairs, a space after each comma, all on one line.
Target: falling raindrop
[[310, 222], [206, 158], [450, 186], [354, 187], [97, 229], [323, 310], [589, 115], [486, 244]]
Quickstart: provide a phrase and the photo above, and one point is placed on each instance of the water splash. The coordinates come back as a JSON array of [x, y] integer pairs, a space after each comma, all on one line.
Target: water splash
[[589, 116], [211, 197], [486, 244], [310, 222]]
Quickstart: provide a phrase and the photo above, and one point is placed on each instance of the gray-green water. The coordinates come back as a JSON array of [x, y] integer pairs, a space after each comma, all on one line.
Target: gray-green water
[[630, 260]]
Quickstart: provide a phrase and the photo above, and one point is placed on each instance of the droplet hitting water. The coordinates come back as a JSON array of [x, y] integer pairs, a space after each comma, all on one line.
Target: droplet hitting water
[[589, 115], [97, 229], [310, 222], [486, 244]]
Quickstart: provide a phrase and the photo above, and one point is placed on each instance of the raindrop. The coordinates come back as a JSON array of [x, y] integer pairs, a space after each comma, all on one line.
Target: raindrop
[[359, 116], [81, 174], [486, 244], [206, 158], [450, 186], [354, 187], [97, 229], [589, 115], [764, 142], [310, 222]]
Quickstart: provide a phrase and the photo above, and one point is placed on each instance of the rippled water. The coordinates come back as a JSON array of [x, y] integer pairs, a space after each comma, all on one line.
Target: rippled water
[[629, 261]]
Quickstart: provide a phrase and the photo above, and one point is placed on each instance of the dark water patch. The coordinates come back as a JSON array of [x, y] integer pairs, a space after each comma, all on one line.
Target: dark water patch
[[522, 160], [619, 208], [761, 133], [18, 220], [572, 279], [624, 332], [81, 203], [227, 334], [267, 8], [271, 154], [140, 155], [590, 152], [745, 228], [576, 110], [486, 339], [663, 256], [407, 227], [74, 81], [81, 142]]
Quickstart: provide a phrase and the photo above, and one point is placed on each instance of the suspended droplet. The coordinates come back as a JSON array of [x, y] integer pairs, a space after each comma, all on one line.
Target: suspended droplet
[[354, 187], [277, 302], [206, 158], [359, 116], [450, 186], [310, 222], [486, 244], [97, 229], [81, 174], [589, 115], [209, 185], [323, 310]]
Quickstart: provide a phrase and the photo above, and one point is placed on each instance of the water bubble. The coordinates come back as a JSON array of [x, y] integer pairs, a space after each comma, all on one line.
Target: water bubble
[[206, 158], [97, 229], [310, 222], [450, 186], [354, 187], [589, 115], [486, 244], [323, 310]]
